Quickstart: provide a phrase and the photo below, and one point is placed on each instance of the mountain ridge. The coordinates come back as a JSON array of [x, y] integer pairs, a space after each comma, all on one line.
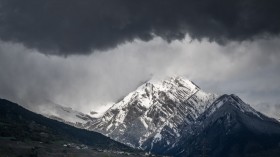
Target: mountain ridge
[[159, 114], [226, 128], [146, 107], [174, 116], [29, 132]]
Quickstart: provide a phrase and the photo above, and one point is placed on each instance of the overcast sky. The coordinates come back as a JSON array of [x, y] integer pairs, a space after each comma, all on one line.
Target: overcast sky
[[84, 54]]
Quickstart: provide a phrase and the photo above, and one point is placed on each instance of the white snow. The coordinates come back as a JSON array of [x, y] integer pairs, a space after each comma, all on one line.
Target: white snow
[[144, 123], [65, 113], [158, 137], [109, 126], [146, 103]]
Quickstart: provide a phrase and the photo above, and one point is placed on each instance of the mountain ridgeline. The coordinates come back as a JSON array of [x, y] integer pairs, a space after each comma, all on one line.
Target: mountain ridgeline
[[172, 117], [24, 133], [175, 117]]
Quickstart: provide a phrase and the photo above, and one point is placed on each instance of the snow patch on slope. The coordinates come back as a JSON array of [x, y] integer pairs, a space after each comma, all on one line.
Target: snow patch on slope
[[66, 114]]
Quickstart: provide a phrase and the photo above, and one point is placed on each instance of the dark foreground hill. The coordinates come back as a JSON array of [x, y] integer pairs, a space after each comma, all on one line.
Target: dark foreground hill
[[24, 133]]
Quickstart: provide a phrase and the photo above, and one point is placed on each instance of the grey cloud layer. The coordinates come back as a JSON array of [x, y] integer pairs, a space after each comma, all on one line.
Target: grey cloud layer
[[249, 69], [66, 27]]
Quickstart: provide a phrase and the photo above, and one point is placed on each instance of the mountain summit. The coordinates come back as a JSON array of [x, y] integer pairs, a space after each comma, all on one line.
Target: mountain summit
[[154, 113]]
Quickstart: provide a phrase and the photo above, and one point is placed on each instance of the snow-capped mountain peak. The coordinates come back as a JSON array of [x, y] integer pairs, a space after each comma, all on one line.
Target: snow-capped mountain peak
[[164, 116], [149, 90], [157, 105]]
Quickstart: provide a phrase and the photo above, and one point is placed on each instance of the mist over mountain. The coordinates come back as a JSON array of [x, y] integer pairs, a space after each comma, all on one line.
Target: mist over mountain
[[175, 117]]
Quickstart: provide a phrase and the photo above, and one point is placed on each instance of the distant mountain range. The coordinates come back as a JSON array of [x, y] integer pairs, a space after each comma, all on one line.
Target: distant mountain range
[[175, 117]]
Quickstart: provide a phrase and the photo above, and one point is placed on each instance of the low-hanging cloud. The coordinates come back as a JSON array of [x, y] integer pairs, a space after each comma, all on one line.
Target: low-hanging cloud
[[88, 82], [65, 27]]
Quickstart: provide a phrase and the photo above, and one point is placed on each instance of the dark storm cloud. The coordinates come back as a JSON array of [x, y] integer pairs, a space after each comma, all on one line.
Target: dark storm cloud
[[66, 27]]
